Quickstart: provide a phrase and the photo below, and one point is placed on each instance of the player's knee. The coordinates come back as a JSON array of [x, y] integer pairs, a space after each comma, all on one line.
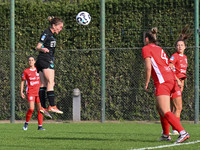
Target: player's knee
[[31, 110], [179, 109], [51, 83]]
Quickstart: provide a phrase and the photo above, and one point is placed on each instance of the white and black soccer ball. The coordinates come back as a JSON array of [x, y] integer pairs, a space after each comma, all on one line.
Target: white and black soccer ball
[[83, 18]]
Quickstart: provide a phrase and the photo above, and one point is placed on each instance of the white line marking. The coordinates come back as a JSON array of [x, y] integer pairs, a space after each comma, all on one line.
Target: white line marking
[[171, 145]]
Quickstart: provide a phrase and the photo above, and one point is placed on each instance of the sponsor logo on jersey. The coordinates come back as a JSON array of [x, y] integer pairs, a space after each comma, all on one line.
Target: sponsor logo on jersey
[[43, 37], [172, 58], [183, 71], [32, 78], [32, 83], [183, 66]]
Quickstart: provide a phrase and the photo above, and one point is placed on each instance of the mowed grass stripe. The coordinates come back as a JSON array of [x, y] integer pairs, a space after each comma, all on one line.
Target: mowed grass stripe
[[91, 136]]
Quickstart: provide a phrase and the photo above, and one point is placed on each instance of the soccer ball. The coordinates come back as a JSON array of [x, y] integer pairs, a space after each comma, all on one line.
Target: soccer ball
[[83, 18]]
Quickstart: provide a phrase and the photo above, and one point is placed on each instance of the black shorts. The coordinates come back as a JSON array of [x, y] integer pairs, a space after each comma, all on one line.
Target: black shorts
[[42, 64]]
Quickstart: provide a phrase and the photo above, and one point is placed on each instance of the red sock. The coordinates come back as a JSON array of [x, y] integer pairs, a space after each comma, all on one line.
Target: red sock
[[29, 114], [179, 120], [40, 118], [165, 125], [174, 122]]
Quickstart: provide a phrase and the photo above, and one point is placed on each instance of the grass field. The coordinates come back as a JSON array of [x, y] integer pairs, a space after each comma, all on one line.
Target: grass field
[[91, 136]]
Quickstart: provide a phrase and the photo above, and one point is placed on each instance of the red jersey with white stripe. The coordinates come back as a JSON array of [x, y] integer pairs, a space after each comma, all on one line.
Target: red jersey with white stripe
[[180, 64], [32, 80], [161, 71]]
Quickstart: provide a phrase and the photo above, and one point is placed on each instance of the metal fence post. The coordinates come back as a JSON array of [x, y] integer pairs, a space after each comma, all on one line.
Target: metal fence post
[[196, 32], [12, 60], [103, 57], [76, 105]]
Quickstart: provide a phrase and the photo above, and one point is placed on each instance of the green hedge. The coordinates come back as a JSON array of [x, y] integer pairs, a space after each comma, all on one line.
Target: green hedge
[[78, 56]]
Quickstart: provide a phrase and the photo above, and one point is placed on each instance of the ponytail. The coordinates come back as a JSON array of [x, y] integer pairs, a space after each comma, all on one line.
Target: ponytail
[[184, 35], [54, 20], [152, 35]]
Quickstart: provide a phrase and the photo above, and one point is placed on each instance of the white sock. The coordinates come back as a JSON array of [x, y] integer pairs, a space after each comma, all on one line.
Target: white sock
[[182, 132]]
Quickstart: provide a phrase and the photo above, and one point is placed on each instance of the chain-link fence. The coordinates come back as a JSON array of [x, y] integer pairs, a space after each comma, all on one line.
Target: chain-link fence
[[78, 57]]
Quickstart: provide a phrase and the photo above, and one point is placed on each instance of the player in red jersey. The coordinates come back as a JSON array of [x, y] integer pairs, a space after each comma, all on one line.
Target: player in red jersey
[[32, 79], [156, 65], [178, 63]]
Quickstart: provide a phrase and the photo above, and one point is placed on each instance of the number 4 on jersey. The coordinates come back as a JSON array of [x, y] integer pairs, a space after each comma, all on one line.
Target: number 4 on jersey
[[164, 56]]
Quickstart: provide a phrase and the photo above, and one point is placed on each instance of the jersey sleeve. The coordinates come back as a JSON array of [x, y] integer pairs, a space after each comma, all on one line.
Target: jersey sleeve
[[186, 59], [43, 38], [24, 75], [145, 52], [172, 59]]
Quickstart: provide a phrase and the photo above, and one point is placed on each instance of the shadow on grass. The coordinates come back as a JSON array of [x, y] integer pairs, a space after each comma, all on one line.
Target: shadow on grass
[[93, 139]]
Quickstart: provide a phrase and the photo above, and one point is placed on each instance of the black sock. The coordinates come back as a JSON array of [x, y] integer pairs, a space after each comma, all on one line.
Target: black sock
[[51, 97], [42, 92]]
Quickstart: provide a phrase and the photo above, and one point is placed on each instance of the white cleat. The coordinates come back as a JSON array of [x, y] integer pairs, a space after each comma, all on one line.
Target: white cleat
[[25, 127]]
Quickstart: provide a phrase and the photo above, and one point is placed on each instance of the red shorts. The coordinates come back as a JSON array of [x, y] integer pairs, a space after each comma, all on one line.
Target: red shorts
[[36, 99], [170, 88]]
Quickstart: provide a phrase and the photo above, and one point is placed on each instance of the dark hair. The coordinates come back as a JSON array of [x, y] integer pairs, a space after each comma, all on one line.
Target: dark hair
[[30, 57], [54, 20], [151, 35], [184, 35]]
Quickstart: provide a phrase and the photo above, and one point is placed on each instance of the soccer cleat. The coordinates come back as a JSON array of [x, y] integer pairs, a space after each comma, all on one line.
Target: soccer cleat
[[41, 128], [165, 138], [55, 109], [174, 132], [25, 127], [45, 113], [182, 138]]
